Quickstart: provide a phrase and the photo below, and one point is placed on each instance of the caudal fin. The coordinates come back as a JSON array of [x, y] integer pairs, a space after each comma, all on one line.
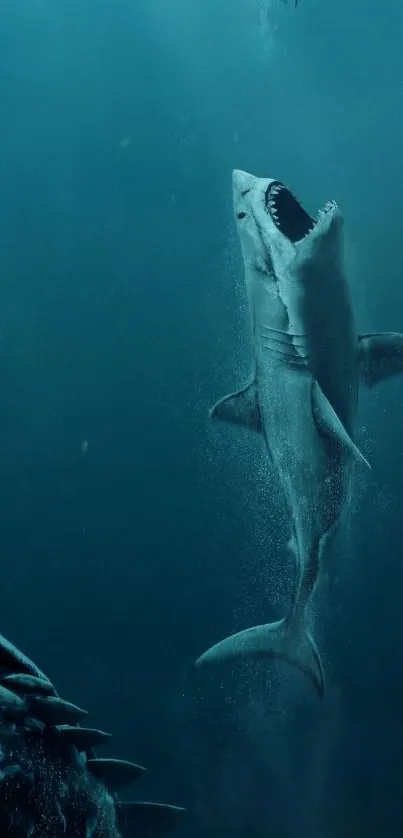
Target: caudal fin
[[281, 640]]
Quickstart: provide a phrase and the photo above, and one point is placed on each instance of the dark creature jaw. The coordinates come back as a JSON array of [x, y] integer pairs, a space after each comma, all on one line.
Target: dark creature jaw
[[52, 784]]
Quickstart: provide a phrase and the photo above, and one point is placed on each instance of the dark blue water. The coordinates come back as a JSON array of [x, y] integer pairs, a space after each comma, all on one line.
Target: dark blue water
[[132, 535]]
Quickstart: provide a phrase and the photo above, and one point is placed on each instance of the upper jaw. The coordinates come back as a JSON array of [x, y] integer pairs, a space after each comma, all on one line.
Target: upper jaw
[[290, 224], [290, 217]]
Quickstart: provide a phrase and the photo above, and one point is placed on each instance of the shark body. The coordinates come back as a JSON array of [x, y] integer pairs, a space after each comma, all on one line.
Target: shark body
[[302, 398]]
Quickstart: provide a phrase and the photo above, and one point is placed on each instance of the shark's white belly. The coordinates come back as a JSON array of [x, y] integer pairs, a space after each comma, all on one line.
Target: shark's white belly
[[314, 474]]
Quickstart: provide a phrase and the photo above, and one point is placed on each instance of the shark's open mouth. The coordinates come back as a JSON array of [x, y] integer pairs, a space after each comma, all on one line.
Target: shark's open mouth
[[287, 213]]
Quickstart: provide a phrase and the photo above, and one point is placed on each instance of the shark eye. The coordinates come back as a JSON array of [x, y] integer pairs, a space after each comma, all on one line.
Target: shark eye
[[241, 215]]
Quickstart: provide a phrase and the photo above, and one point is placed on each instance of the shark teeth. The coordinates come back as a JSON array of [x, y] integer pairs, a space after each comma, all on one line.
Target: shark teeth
[[329, 206], [271, 204], [287, 213], [270, 199]]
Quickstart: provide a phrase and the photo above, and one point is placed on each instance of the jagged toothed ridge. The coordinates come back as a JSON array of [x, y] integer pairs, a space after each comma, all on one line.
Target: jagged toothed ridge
[[51, 782], [289, 215], [115, 773]]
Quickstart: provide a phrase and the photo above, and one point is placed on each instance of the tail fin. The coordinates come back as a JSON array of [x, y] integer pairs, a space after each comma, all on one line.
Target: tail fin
[[283, 640]]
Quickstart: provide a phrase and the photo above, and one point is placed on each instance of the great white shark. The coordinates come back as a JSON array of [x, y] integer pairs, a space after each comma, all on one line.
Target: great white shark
[[308, 364]]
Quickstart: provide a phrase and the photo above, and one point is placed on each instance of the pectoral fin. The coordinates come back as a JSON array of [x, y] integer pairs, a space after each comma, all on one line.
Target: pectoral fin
[[240, 408], [380, 356], [329, 423]]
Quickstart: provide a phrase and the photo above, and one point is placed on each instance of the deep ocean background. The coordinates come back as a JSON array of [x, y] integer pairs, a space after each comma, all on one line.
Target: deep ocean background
[[132, 534]]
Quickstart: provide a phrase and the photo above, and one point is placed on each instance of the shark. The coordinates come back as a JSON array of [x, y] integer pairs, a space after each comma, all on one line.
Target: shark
[[302, 396]]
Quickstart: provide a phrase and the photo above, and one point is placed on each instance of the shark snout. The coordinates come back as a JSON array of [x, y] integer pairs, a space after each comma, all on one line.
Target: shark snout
[[242, 182]]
